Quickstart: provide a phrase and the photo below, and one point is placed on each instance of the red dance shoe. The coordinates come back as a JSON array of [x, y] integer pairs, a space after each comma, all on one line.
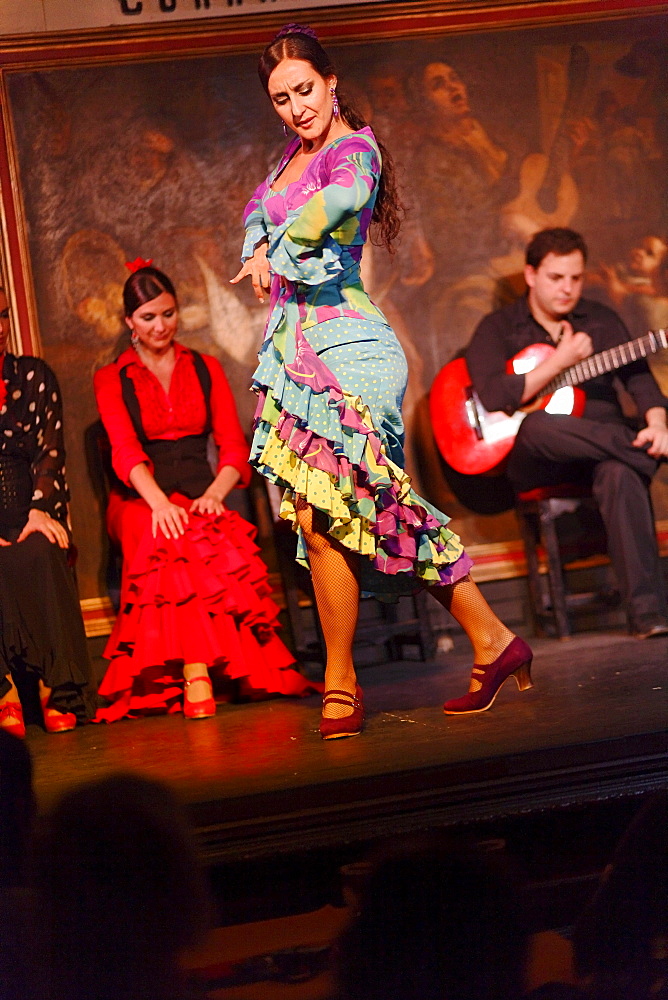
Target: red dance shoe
[[515, 660], [203, 709], [349, 725], [55, 721], [11, 718]]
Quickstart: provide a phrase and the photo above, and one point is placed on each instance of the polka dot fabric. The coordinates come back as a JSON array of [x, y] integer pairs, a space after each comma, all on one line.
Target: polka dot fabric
[[31, 431], [331, 376]]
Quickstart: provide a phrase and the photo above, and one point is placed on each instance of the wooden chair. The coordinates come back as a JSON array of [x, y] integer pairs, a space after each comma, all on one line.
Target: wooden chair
[[538, 512], [387, 629]]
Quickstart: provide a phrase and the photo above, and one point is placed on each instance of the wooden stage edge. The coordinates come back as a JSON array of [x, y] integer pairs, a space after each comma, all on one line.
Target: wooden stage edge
[[258, 781], [410, 802]]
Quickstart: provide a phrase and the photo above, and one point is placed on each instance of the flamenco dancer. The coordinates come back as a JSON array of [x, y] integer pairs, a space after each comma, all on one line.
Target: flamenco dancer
[[331, 380], [194, 591]]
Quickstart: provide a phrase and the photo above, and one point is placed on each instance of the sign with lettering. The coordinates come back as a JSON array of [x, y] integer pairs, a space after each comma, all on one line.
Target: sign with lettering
[[36, 16]]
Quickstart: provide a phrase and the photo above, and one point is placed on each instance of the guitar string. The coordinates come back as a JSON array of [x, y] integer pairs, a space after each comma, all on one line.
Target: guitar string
[[609, 359]]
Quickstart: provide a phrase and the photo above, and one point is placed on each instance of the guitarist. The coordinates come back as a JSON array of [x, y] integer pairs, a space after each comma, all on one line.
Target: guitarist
[[600, 448]]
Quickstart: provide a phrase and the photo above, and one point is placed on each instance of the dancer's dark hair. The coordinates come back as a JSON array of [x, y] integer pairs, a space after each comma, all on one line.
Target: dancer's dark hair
[[296, 41], [142, 286]]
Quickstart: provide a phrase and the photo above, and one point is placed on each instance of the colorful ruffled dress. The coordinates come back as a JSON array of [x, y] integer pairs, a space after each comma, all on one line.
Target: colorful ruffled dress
[[204, 597], [332, 375]]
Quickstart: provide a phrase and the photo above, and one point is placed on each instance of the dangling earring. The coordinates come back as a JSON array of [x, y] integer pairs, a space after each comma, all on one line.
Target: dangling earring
[[335, 102], [286, 130], [134, 339]]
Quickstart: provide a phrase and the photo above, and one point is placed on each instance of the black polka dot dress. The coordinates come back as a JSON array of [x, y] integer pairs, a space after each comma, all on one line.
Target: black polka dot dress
[[41, 630]]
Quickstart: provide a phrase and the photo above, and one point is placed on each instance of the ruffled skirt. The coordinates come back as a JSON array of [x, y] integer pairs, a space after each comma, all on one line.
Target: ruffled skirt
[[202, 598], [328, 428]]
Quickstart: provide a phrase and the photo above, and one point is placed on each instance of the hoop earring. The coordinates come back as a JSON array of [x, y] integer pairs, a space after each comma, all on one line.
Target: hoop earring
[[286, 130], [335, 102]]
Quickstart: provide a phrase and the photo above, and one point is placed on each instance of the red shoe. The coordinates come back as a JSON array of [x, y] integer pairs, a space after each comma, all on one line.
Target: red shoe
[[349, 725], [55, 721], [11, 718], [515, 660], [203, 709]]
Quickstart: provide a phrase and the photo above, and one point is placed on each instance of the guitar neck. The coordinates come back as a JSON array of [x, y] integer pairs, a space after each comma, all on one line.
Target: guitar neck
[[610, 360]]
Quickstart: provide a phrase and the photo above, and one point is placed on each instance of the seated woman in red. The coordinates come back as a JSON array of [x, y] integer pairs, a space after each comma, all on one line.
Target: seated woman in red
[[194, 592]]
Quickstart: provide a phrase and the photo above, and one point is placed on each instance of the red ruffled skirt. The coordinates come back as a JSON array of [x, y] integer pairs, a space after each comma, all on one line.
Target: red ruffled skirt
[[202, 598]]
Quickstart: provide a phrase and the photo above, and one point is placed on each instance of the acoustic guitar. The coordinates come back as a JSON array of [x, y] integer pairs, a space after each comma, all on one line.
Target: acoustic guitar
[[474, 441]]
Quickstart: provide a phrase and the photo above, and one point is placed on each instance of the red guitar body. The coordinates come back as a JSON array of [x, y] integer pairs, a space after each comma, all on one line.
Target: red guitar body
[[471, 439]]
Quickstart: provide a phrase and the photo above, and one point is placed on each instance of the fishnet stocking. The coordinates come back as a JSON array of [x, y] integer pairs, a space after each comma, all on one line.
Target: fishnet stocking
[[337, 592], [489, 636]]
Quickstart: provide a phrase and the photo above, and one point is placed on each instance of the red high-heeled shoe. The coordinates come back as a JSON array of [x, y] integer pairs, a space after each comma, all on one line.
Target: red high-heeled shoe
[[11, 718], [349, 725], [55, 721], [202, 709], [515, 660]]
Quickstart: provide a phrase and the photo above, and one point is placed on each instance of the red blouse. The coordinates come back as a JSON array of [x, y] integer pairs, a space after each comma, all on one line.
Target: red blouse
[[169, 415]]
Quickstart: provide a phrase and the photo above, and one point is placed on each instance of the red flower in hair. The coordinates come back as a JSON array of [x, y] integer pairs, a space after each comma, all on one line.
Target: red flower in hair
[[138, 263]]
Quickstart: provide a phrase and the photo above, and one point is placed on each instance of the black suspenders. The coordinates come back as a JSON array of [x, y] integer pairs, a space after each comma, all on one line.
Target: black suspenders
[[132, 403]]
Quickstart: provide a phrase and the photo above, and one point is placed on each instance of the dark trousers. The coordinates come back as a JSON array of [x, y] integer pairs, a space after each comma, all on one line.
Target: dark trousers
[[552, 449]]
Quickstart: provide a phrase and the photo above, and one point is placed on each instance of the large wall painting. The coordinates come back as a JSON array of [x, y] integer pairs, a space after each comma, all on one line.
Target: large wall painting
[[496, 134]]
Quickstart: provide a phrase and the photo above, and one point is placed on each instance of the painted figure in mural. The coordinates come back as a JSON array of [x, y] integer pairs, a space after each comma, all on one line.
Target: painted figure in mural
[[330, 382], [42, 636], [195, 597], [461, 167], [619, 150], [462, 185], [600, 448], [639, 289], [615, 161]]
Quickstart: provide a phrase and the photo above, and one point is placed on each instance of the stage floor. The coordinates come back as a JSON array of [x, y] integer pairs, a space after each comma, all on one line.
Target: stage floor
[[258, 780]]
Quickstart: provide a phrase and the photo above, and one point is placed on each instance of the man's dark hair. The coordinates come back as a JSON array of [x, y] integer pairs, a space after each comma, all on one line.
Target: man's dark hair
[[559, 241]]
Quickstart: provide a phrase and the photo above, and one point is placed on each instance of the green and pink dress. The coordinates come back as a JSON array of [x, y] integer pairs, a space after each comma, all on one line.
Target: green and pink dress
[[331, 375]]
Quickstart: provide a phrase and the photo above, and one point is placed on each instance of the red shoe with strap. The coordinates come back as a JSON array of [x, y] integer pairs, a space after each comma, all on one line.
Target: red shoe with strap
[[488, 679], [203, 709], [55, 721], [349, 725], [11, 718]]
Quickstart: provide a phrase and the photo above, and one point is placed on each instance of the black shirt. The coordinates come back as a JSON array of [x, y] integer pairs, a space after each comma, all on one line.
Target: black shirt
[[31, 436], [501, 334]]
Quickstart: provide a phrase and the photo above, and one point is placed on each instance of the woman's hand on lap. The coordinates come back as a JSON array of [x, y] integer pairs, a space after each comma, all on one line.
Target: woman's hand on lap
[[39, 520], [207, 505], [170, 519]]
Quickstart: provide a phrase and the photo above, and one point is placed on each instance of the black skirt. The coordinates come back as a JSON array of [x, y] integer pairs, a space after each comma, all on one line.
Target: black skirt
[[41, 630]]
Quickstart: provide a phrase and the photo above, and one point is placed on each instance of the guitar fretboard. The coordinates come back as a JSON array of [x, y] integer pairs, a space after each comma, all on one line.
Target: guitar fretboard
[[610, 360]]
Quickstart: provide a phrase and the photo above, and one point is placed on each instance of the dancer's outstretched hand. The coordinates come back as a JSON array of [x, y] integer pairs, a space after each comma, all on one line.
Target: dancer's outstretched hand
[[257, 269]]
